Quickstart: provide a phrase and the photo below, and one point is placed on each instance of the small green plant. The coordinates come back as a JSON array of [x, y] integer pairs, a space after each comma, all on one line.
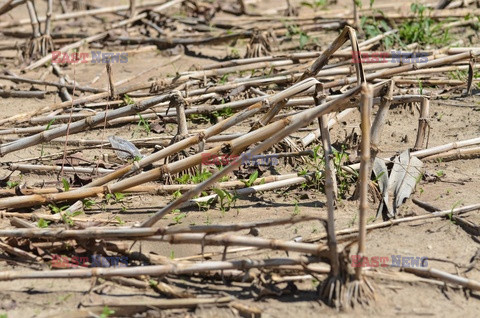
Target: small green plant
[[178, 217], [106, 312], [177, 194], [119, 220], [184, 179], [12, 184], [66, 184], [462, 75], [224, 112], [207, 220], [352, 221], [43, 223], [144, 124], [224, 79], [116, 197], [68, 216], [344, 179], [227, 200], [128, 100], [199, 177], [172, 254], [46, 128], [55, 209], [201, 118], [440, 173], [303, 39], [296, 209], [251, 180], [234, 53], [87, 204], [422, 29], [224, 179], [64, 297], [315, 4]]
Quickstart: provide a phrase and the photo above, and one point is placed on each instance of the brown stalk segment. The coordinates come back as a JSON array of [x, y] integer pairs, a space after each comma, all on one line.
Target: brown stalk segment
[[155, 270], [423, 124], [276, 133], [365, 110]]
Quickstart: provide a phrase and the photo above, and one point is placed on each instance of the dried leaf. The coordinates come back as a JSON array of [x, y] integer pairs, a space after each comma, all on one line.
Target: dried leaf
[[125, 148], [381, 174], [403, 178]]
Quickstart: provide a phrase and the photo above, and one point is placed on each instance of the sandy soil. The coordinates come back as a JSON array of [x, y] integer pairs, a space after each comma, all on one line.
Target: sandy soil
[[447, 246]]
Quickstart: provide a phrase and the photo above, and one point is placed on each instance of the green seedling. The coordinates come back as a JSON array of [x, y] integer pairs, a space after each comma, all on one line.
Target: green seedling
[[128, 100], [106, 312], [296, 209], [199, 177], [178, 218], [41, 223], [66, 184], [12, 184], [144, 124], [315, 5], [119, 220], [422, 29], [227, 200], [251, 180]]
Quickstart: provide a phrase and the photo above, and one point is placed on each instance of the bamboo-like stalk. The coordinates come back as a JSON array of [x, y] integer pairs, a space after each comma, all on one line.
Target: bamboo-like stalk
[[22, 94], [443, 148], [445, 277], [79, 126], [9, 5], [360, 289], [455, 154], [111, 84], [422, 124], [21, 253], [33, 19], [239, 226], [211, 131], [331, 288], [48, 17], [294, 123], [251, 190], [79, 14], [236, 146], [44, 168], [439, 214], [179, 104], [67, 48], [132, 8], [330, 191], [16, 79], [365, 110], [155, 270], [405, 68], [308, 139], [438, 150], [120, 307], [356, 15], [182, 238]]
